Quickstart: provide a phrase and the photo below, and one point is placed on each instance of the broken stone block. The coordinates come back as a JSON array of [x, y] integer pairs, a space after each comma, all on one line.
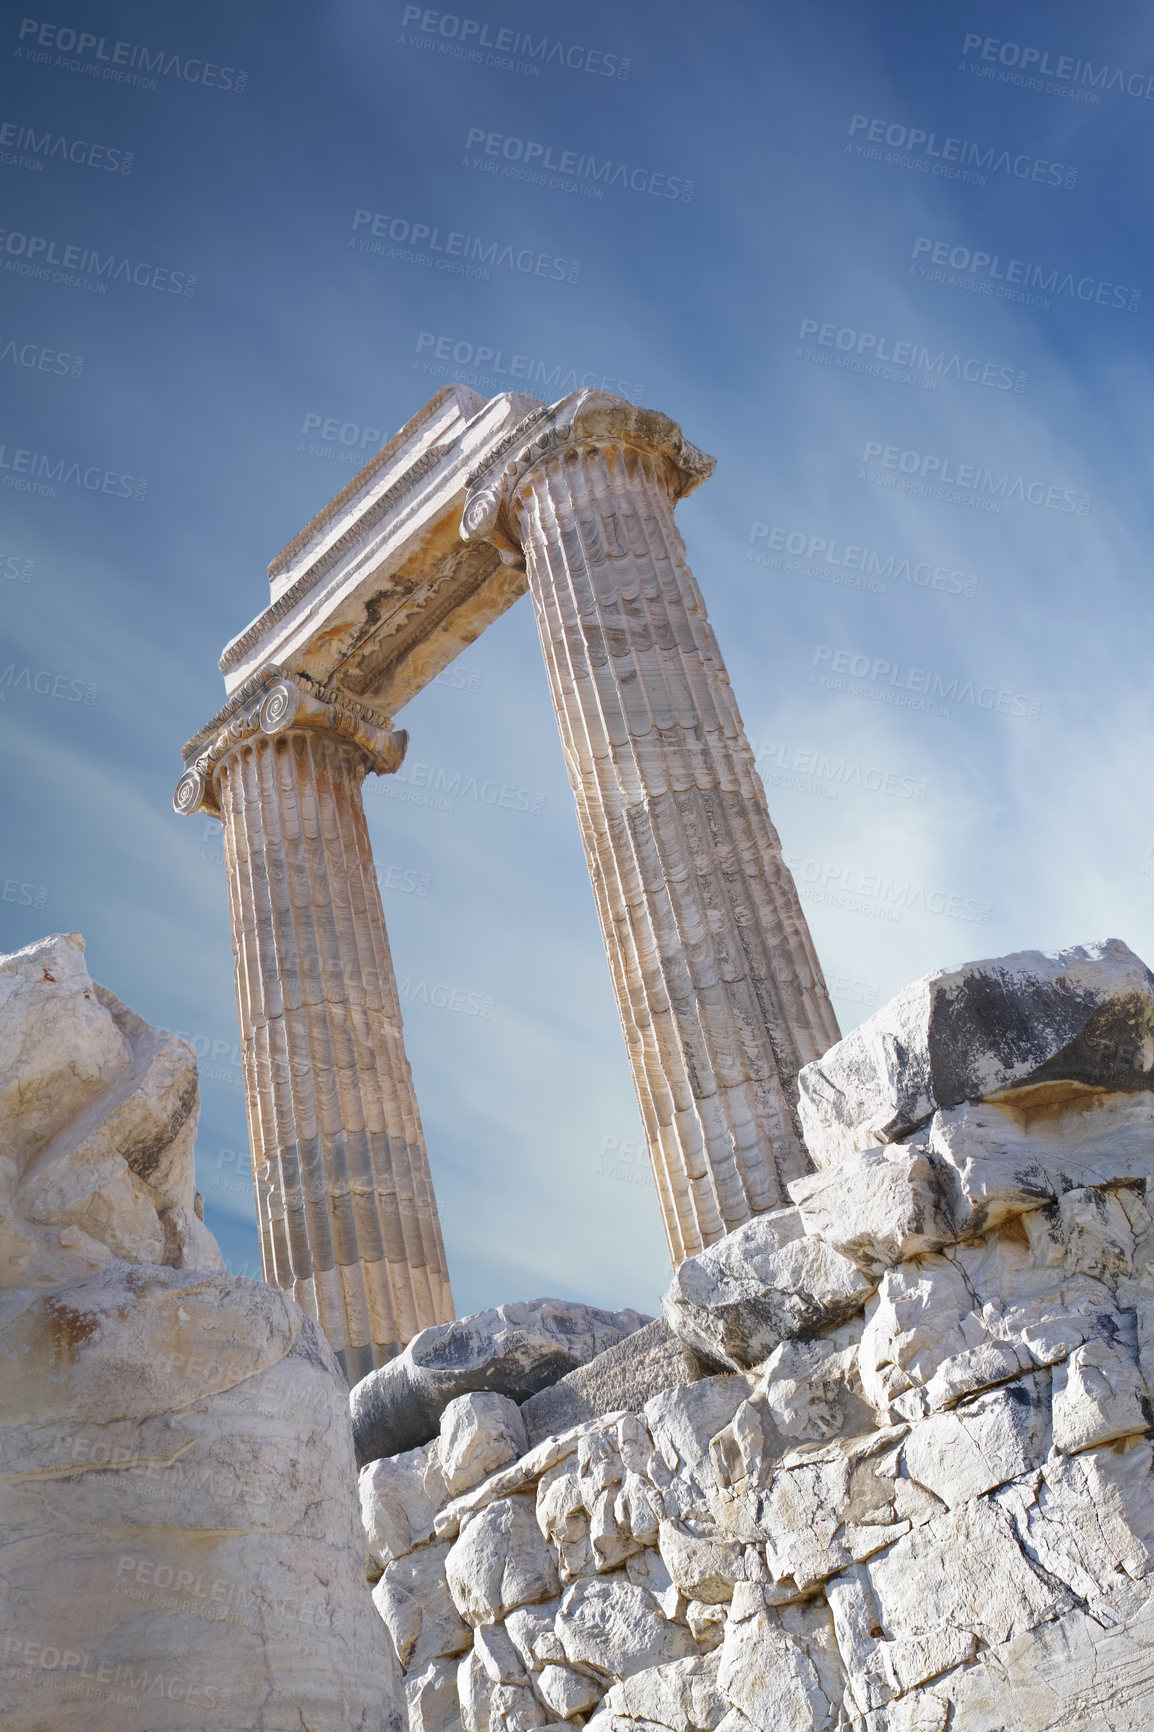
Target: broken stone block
[[682, 1693], [1099, 1395], [501, 1561], [414, 1601], [1022, 1152], [763, 1284], [706, 1568], [1083, 1016], [400, 1496], [431, 1698], [566, 1692], [512, 1350], [770, 1676], [479, 1433], [812, 1390], [99, 1110], [961, 1454], [491, 1707], [878, 1209], [615, 1628]]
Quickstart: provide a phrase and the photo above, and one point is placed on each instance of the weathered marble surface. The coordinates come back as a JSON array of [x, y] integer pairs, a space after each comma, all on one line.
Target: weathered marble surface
[[924, 1501], [1084, 1015], [178, 1533], [512, 1350]]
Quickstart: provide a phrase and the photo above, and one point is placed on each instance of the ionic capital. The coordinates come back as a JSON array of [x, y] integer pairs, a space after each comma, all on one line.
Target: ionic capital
[[583, 420], [277, 702]]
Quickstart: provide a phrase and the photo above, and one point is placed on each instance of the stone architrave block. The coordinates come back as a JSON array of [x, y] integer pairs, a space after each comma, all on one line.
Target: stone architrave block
[[1083, 1016], [644, 1364], [512, 1350], [763, 1284]]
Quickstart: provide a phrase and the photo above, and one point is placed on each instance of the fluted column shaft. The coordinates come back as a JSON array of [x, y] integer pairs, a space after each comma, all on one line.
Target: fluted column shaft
[[348, 1221], [719, 989]]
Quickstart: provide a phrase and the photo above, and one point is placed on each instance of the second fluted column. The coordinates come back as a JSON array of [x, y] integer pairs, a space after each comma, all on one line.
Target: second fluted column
[[718, 985]]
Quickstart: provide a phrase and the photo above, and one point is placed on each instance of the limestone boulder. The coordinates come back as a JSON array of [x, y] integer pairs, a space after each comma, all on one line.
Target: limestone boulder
[[1082, 1016], [766, 1283], [512, 1350], [179, 1539], [99, 1111], [180, 1543]]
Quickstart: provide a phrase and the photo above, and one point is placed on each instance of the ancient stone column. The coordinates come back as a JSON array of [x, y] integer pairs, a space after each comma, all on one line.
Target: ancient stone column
[[720, 992], [348, 1221]]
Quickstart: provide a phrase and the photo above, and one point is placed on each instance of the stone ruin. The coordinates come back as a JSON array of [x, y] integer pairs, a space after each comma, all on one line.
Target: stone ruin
[[882, 1464]]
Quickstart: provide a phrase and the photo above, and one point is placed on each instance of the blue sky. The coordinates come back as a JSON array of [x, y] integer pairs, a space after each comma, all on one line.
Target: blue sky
[[889, 263]]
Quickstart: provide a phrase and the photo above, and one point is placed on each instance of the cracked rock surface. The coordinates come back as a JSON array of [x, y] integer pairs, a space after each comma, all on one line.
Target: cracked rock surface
[[922, 1497]]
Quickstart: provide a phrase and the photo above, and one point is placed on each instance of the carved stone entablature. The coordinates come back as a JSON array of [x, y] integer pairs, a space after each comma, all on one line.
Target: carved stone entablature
[[583, 419], [270, 704]]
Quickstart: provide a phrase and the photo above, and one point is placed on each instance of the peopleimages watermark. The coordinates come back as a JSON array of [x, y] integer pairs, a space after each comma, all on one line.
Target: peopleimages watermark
[[906, 362], [625, 1159], [338, 441], [494, 366], [849, 564], [1033, 65], [46, 684], [420, 784], [846, 990], [506, 50], [38, 358], [527, 159], [36, 472], [119, 62], [967, 483], [76, 266], [911, 688], [14, 568], [1014, 279], [457, 253], [953, 158], [22, 894], [78, 1672], [816, 771], [25, 147], [878, 895], [441, 997]]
